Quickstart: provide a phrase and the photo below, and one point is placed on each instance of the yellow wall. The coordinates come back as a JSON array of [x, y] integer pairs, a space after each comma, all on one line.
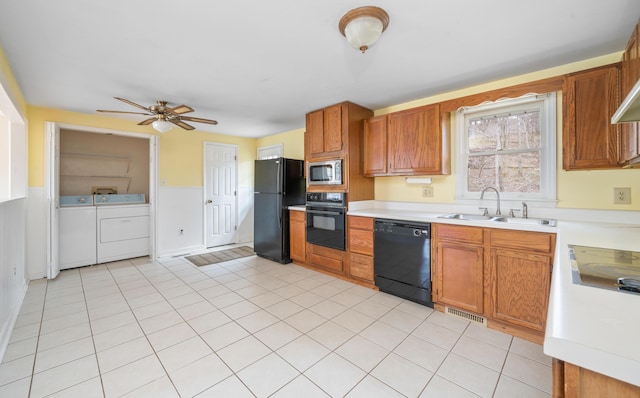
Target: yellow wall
[[292, 143], [180, 152], [575, 189]]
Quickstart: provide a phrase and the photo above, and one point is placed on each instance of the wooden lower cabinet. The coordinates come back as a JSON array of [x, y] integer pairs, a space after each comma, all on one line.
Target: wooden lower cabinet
[[458, 256], [325, 257], [298, 236], [360, 247], [504, 275], [571, 381]]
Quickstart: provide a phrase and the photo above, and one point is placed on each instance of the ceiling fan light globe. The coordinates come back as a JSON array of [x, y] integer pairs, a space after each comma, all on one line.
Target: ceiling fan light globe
[[161, 126]]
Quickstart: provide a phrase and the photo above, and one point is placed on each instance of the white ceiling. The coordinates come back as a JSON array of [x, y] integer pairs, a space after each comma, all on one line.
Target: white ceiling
[[258, 66]]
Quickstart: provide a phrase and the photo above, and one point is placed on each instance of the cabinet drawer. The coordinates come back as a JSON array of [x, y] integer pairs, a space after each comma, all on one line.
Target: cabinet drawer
[[361, 241], [361, 266], [295, 215], [536, 241], [361, 222], [325, 257], [459, 233]]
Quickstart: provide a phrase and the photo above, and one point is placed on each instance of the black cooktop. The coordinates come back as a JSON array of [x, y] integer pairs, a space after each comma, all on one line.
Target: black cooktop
[[611, 269]]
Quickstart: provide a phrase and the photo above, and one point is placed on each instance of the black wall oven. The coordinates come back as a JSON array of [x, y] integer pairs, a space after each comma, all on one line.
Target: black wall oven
[[326, 219]]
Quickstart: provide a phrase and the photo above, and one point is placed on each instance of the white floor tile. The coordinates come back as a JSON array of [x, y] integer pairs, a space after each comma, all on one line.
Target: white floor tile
[[20, 349], [64, 353], [422, 353], [160, 322], [114, 337], [243, 353], [385, 335], [508, 387], [160, 388], [372, 387], [277, 335], [469, 375], [267, 375], [170, 336], [401, 320], [229, 387], [300, 387], [91, 388], [489, 336], [195, 310], [335, 375], [284, 309], [528, 371], [132, 376], [362, 353], [402, 375], [330, 335], [257, 321], [303, 352], [151, 310], [482, 353], [438, 335], [64, 376], [112, 322], [224, 335], [529, 350], [305, 320], [182, 354], [16, 369], [353, 320], [372, 308], [123, 354], [209, 321], [199, 376], [18, 388], [440, 387]]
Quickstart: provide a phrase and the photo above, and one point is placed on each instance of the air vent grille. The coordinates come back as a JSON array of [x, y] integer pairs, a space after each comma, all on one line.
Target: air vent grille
[[477, 319]]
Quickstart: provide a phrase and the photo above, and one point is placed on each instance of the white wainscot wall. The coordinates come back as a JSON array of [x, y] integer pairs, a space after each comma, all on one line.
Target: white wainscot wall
[[13, 284], [36, 256], [245, 214], [180, 208]]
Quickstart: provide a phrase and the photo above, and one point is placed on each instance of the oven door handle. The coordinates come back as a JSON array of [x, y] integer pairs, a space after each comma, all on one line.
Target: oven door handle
[[333, 213]]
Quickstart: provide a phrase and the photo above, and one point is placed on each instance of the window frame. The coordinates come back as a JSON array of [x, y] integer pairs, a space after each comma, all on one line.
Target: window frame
[[547, 105]]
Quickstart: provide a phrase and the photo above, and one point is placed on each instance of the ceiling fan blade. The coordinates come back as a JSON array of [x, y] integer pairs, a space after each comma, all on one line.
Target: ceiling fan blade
[[132, 103], [148, 121], [133, 113], [182, 124], [181, 109], [198, 120]]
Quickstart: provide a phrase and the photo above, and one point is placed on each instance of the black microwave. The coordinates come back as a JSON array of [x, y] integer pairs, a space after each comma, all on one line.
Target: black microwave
[[328, 172]]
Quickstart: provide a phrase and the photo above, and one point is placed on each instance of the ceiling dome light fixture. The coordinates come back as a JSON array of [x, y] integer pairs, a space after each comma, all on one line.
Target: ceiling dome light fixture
[[161, 125], [363, 26]]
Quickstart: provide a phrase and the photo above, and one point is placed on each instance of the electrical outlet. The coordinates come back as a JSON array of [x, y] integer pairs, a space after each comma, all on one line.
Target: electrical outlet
[[427, 192], [181, 231], [622, 196]]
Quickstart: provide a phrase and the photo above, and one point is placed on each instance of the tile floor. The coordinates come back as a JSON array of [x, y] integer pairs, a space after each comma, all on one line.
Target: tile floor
[[250, 328]]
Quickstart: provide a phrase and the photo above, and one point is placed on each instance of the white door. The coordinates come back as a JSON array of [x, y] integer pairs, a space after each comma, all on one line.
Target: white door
[[220, 186], [53, 197]]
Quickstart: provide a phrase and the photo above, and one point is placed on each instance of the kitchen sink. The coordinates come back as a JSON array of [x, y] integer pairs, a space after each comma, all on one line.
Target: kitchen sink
[[461, 216], [527, 221]]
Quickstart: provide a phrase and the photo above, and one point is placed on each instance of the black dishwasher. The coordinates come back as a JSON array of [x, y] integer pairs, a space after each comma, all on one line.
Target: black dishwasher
[[402, 259]]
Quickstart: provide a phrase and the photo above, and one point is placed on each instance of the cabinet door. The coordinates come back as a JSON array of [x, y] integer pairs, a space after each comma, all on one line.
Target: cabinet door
[[361, 266], [375, 146], [332, 134], [415, 141], [297, 236], [630, 132], [459, 275], [315, 131], [590, 141], [519, 287]]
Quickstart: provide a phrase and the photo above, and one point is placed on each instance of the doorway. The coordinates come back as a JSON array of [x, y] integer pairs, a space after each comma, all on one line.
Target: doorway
[[221, 193]]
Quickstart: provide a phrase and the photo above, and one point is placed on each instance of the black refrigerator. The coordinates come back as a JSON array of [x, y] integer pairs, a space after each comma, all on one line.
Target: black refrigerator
[[279, 183]]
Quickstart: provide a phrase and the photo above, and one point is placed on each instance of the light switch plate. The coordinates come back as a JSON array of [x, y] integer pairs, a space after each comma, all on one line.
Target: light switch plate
[[622, 196], [427, 192]]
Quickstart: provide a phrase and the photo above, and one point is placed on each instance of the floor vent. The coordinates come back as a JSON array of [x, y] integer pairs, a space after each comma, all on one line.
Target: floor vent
[[477, 319]]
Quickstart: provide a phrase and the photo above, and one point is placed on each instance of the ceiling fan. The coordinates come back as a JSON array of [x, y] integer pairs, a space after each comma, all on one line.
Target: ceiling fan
[[163, 115]]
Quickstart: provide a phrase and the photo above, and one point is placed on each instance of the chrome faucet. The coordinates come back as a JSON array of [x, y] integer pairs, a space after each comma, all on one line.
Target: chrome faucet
[[498, 213], [525, 210]]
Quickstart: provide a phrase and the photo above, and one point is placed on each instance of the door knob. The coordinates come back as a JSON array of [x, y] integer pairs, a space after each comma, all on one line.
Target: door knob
[[209, 201]]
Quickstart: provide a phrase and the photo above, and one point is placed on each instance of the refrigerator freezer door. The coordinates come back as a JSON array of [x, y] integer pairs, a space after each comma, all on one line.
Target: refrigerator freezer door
[[268, 176], [270, 228]]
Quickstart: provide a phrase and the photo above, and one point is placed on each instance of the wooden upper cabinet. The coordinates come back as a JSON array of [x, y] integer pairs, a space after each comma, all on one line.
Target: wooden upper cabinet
[[325, 131], [630, 74], [375, 144], [409, 142], [415, 145], [590, 141]]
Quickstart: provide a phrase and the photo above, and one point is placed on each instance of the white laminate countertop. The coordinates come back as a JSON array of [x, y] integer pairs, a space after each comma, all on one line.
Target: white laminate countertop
[[594, 328]]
